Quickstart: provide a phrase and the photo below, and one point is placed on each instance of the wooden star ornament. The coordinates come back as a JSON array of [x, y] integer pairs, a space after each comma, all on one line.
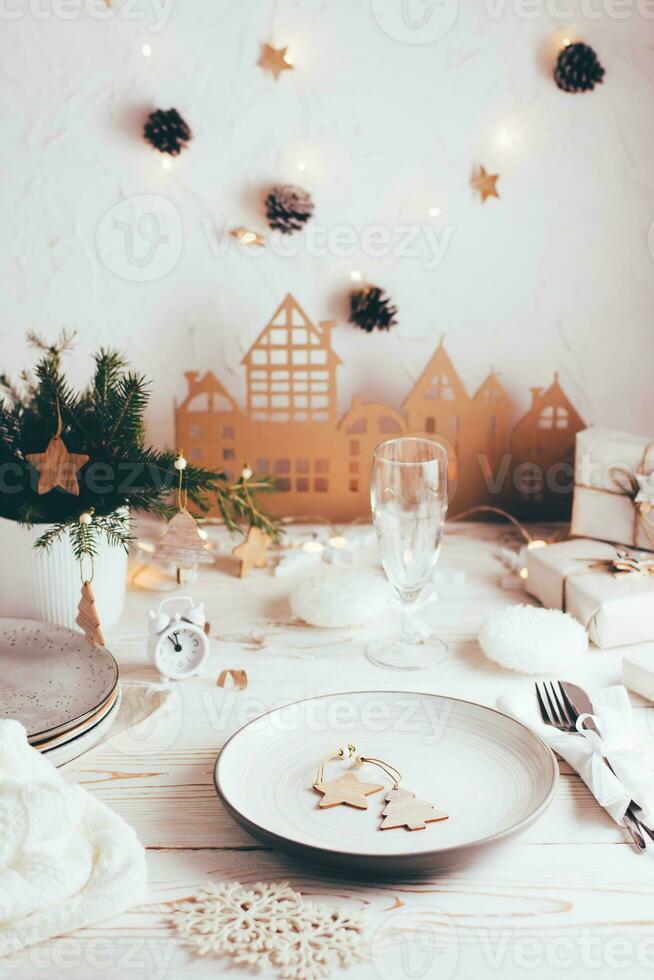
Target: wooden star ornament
[[347, 789], [57, 467], [252, 552], [274, 60], [485, 184]]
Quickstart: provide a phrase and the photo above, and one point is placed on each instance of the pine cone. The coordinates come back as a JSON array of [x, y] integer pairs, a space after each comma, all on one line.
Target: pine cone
[[167, 131], [288, 208], [372, 308], [577, 68]]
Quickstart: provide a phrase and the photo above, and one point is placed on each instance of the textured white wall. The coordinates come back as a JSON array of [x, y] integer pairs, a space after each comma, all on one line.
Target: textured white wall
[[557, 274]]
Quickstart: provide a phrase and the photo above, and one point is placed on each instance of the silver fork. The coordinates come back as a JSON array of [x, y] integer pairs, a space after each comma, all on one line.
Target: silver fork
[[557, 711]]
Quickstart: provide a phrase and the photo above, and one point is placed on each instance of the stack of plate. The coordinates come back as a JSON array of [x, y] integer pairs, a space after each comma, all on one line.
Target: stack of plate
[[64, 691]]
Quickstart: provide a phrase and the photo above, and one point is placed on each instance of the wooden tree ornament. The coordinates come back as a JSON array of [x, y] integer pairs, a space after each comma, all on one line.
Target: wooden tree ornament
[[182, 544], [56, 466], [404, 810], [87, 616]]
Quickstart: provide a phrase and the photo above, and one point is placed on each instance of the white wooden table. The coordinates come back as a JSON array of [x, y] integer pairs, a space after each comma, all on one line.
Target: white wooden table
[[568, 898]]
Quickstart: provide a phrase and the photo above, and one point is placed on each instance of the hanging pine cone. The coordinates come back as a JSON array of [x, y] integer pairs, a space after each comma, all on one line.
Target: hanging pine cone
[[371, 308], [577, 68], [288, 208], [167, 131]]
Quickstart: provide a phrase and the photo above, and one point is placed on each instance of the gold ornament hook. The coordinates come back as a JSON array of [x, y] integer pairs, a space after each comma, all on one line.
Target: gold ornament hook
[[342, 753], [391, 771]]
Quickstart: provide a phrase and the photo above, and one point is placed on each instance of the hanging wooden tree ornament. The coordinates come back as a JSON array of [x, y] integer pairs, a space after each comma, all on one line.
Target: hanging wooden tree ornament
[[87, 615], [182, 543], [56, 466], [404, 810], [252, 551]]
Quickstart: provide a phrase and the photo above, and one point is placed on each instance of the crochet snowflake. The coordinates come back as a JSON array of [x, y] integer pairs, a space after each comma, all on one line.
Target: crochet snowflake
[[273, 926]]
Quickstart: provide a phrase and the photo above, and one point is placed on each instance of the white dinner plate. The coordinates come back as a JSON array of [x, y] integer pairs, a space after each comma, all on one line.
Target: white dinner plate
[[86, 741], [488, 772], [51, 678]]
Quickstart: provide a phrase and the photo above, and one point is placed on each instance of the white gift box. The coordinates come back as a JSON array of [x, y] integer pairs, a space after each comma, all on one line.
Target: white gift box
[[610, 503], [615, 610]]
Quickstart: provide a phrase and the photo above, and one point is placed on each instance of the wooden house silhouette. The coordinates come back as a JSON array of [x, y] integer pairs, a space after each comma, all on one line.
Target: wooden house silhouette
[[322, 465], [542, 448]]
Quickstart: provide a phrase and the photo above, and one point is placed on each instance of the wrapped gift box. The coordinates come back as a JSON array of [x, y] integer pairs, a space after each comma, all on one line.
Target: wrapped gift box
[[615, 610], [610, 503]]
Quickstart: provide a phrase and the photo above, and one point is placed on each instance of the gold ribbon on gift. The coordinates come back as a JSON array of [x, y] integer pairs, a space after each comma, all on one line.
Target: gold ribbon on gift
[[627, 485], [624, 564]]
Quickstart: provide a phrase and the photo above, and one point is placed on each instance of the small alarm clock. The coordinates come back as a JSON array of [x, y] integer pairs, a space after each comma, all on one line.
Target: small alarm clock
[[178, 645]]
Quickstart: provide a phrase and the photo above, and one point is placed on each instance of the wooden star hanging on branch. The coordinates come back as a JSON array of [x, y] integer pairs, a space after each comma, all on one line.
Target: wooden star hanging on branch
[[57, 467], [485, 184], [252, 552], [274, 60]]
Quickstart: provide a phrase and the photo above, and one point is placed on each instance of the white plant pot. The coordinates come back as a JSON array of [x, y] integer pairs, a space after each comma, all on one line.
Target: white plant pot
[[46, 585]]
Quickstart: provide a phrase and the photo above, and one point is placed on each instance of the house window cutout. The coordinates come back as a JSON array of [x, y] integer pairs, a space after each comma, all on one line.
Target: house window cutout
[[228, 432], [440, 389], [302, 466], [389, 426], [302, 484], [194, 431], [228, 454], [553, 417], [355, 447], [283, 484], [320, 484], [354, 486], [430, 424], [200, 403], [282, 466], [261, 466], [358, 427]]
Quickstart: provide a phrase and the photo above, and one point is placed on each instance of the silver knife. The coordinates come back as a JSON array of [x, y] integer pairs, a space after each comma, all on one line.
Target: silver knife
[[582, 704]]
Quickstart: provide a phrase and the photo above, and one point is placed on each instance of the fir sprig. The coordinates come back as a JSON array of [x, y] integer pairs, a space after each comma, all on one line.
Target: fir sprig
[[105, 421]]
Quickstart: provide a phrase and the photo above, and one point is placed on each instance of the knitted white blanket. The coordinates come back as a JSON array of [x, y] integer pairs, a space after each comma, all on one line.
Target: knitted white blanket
[[66, 860]]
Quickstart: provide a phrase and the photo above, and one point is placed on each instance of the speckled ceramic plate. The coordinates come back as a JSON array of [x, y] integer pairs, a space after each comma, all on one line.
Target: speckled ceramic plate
[[488, 772], [87, 740], [51, 678]]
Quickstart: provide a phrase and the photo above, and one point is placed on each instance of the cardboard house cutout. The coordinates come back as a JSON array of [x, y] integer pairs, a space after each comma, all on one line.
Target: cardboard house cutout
[[321, 464]]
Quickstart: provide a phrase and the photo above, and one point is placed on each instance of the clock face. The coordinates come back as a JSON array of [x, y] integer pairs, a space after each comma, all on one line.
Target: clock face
[[180, 650]]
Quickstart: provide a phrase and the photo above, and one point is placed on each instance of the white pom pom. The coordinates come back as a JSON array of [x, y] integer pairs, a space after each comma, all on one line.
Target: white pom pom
[[336, 597], [86, 518], [180, 463], [533, 640]]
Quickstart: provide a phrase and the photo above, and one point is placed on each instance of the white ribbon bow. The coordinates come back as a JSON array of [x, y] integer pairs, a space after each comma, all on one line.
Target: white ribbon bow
[[415, 623]]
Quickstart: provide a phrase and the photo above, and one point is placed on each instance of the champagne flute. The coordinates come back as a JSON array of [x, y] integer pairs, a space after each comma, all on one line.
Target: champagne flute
[[408, 495]]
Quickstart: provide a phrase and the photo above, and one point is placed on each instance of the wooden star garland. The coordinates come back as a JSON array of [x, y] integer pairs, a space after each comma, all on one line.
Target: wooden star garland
[[346, 789], [87, 616], [485, 184], [57, 467], [404, 810], [252, 552], [274, 60]]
